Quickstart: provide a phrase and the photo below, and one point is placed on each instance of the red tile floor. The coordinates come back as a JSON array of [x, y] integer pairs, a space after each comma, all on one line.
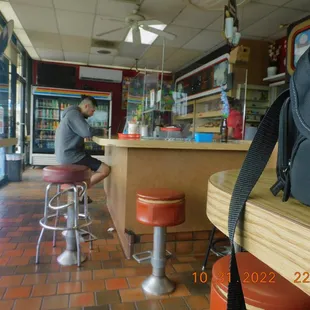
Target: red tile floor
[[105, 281]]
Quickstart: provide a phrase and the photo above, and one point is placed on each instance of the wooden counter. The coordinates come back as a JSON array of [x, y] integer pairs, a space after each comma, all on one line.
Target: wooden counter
[[165, 144], [276, 232], [184, 166], [8, 142]]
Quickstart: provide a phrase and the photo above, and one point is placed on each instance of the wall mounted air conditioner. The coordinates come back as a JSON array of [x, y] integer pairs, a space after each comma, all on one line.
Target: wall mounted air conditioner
[[102, 75]]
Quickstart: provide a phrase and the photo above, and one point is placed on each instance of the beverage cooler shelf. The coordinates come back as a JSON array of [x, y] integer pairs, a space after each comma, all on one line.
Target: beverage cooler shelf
[[39, 139], [49, 119], [47, 109]]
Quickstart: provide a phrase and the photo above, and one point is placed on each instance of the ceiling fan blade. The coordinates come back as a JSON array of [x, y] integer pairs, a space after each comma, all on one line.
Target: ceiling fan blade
[[107, 32], [160, 33], [150, 22], [114, 19], [136, 36]]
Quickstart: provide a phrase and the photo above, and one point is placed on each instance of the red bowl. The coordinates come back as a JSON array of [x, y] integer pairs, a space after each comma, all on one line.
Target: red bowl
[[170, 129], [124, 136]]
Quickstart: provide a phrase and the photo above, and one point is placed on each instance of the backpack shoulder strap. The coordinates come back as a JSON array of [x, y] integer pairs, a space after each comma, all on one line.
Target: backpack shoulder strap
[[251, 170]]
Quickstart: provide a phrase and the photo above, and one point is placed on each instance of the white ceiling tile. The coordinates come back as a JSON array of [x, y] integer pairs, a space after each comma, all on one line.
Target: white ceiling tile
[[154, 53], [273, 2], [163, 10], [253, 12], [103, 24], [76, 57], [148, 64], [244, 36], [124, 61], [182, 57], [217, 25], [34, 17], [83, 6], [44, 3], [205, 40], [130, 50], [100, 60], [195, 18], [269, 25], [50, 54], [183, 35], [280, 34], [113, 8], [74, 23], [299, 4], [44, 39], [75, 44], [171, 67]]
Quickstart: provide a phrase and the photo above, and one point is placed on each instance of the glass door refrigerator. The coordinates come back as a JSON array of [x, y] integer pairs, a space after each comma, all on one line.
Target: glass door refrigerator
[[46, 111]]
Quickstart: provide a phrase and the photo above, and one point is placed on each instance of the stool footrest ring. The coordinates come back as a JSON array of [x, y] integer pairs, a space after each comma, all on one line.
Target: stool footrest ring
[[147, 256], [143, 256], [92, 237], [220, 250], [62, 228]]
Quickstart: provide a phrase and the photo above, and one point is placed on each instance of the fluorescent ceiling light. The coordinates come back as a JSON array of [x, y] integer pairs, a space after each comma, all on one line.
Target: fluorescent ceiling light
[[23, 37], [146, 36], [32, 52], [65, 61], [126, 68], [8, 13]]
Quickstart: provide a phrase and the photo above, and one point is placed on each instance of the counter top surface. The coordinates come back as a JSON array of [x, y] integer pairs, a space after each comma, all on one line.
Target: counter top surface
[[275, 232], [164, 144]]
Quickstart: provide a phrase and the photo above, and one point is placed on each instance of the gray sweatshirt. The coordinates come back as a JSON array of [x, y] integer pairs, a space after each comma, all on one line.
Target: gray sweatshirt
[[70, 134]]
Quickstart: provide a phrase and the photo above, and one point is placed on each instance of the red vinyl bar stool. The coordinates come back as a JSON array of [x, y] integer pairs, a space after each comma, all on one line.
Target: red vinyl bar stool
[[160, 208], [263, 288], [72, 178]]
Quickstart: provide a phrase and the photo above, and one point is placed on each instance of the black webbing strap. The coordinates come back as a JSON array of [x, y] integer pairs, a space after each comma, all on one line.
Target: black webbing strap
[[251, 170]]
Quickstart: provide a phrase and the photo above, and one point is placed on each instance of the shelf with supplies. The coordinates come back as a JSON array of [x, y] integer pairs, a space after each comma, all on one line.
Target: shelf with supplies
[[275, 78], [204, 114], [209, 114], [256, 100], [186, 116], [207, 129]]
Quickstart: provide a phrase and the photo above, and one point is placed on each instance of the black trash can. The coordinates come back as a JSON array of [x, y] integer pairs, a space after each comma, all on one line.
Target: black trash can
[[14, 167]]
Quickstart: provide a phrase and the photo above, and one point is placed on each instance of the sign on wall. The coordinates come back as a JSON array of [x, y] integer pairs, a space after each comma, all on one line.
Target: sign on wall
[[297, 43]]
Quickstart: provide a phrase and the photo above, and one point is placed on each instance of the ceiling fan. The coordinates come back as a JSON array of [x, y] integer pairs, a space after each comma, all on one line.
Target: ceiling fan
[[136, 22]]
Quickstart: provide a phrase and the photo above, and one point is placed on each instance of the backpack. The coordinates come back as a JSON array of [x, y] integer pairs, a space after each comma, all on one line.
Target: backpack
[[288, 122]]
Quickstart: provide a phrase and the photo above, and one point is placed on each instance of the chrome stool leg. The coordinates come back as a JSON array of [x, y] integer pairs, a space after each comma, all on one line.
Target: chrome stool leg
[[72, 255], [57, 217], [158, 283], [44, 220], [87, 217]]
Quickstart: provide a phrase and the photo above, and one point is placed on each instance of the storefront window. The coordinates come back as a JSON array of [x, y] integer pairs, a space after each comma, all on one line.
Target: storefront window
[[20, 64], [19, 105], [4, 108]]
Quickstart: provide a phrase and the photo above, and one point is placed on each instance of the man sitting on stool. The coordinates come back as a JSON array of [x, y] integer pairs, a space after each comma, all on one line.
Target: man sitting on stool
[[70, 135]]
